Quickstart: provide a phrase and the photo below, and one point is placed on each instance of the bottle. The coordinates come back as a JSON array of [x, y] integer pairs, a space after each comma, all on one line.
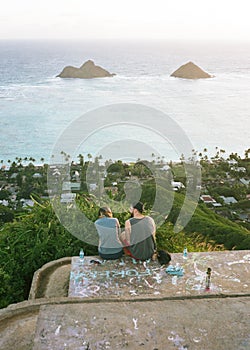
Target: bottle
[[185, 253], [208, 278], [81, 256], [174, 280]]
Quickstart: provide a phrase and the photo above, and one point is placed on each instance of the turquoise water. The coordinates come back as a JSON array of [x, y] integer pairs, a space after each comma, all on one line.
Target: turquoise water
[[36, 107]]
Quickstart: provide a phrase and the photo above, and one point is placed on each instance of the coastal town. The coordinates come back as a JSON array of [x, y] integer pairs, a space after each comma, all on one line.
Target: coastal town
[[224, 185]]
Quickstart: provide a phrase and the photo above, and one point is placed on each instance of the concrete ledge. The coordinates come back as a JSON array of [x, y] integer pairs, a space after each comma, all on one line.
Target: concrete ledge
[[32, 325], [42, 277], [179, 316]]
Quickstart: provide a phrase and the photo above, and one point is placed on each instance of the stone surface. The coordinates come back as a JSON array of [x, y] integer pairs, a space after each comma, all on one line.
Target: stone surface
[[58, 283], [18, 332], [122, 278], [87, 71], [167, 324], [51, 280], [137, 306], [190, 71]]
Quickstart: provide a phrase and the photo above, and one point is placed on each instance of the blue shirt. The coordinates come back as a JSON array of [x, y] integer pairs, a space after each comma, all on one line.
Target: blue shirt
[[108, 229]]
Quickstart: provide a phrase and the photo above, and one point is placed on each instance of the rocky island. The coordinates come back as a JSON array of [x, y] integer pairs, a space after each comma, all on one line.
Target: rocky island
[[190, 71], [87, 71]]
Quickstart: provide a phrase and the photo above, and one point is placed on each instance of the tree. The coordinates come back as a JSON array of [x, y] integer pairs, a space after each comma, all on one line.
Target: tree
[[4, 194], [116, 167], [81, 159], [6, 214], [89, 156], [247, 152]]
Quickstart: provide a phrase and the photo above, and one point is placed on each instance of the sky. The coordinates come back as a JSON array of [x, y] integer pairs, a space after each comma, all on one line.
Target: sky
[[130, 19]]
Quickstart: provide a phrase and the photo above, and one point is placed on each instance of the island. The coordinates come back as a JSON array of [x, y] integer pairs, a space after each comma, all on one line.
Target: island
[[87, 71], [190, 71]]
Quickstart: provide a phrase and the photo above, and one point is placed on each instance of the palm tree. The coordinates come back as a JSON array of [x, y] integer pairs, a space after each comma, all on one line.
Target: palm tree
[[81, 159], [221, 152], [67, 157], [89, 156], [247, 152]]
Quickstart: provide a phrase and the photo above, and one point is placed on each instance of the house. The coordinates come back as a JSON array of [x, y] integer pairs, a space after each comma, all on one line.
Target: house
[[177, 185], [37, 176], [14, 176], [4, 202], [71, 186], [68, 198], [165, 168], [27, 202], [75, 186], [207, 199], [239, 169], [66, 186], [93, 187], [56, 172], [229, 200], [244, 181], [232, 162]]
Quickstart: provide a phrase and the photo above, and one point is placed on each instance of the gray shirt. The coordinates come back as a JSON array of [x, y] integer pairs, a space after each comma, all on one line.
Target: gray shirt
[[108, 229], [141, 238]]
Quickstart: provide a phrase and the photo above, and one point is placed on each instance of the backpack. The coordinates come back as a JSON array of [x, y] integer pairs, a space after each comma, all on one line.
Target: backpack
[[163, 257]]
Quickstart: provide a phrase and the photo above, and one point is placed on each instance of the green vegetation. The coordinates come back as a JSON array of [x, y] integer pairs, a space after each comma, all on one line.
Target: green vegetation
[[33, 239], [33, 236]]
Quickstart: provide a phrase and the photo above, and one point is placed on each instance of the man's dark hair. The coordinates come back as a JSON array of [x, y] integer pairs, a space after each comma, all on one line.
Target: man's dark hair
[[139, 206]]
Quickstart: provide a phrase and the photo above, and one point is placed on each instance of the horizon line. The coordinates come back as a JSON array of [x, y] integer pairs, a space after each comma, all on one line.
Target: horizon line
[[134, 39]]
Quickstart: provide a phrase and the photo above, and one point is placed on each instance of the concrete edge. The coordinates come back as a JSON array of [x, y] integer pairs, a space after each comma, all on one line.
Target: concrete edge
[[33, 306], [41, 277]]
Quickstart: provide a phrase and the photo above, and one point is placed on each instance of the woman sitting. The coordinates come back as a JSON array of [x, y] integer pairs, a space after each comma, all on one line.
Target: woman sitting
[[110, 247]]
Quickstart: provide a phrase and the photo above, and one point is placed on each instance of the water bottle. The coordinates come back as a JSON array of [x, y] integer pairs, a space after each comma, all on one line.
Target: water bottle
[[174, 280], [81, 256], [185, 253]]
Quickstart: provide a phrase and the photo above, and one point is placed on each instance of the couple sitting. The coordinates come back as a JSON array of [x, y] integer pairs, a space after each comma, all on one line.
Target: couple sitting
[[137, 240]]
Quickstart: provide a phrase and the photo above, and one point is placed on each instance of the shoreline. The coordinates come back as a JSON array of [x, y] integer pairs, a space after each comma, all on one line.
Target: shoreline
[[41, 161]]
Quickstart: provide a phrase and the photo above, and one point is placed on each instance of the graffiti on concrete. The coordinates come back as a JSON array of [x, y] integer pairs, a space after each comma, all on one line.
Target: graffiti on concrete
[[118, 277], [228, 273]]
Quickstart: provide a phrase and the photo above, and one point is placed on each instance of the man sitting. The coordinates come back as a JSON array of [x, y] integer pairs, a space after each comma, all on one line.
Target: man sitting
[[139, 235]]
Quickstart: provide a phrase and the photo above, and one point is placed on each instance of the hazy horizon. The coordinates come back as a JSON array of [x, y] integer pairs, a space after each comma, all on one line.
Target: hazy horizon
[[130, 20]]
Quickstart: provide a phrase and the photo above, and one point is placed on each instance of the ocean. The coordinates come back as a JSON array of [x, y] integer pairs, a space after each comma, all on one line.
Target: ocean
[[36, 107]]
